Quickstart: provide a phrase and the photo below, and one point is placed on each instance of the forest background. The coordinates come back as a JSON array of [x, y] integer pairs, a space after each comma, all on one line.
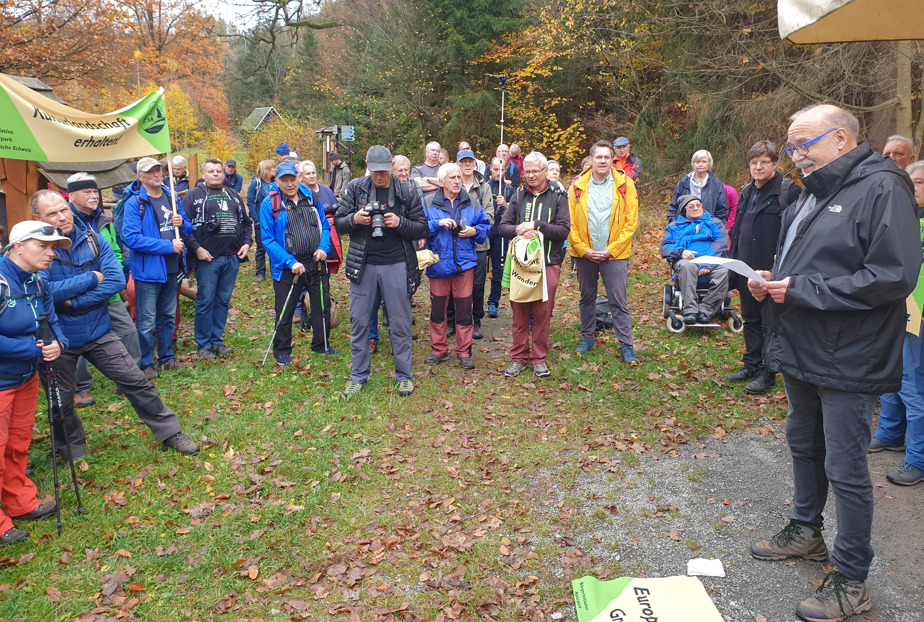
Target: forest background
[[675, 76]]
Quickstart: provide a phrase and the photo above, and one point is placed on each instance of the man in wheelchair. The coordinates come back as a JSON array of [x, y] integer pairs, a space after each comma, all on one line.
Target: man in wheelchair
[[694, 234]]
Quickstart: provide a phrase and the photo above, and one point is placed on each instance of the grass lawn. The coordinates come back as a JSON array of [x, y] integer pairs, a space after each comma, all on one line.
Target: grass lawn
[[432, 507]]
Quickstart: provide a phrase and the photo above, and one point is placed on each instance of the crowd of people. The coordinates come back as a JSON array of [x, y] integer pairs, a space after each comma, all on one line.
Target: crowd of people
[[837, 260]]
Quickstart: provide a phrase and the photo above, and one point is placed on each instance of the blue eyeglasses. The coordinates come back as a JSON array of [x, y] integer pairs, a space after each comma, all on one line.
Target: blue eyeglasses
[[803, 148]]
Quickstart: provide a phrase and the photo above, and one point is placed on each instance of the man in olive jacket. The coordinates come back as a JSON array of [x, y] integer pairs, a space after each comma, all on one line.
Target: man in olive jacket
[[849, 255], [381, 256]]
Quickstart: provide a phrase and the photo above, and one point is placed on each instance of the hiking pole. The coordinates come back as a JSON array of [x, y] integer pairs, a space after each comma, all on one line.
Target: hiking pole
[[323, 309], [282, 314], [53, 396]]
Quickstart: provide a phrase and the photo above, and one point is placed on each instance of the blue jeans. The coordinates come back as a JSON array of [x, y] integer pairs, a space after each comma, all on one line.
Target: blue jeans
[[216, 280], [155, 305], [903, 412]]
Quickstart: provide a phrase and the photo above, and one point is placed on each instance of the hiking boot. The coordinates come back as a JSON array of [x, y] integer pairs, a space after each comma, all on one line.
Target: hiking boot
[[541, 370], [352, 388], [514, 369], [84, 400], [44, 510], [150, 373], [373, 346], [764, 381], [170, 365], [908, 475], [628, 356], [835, 600], [465, 362], [450, 331], [795, 540], [875, 446], [206, 354], [181, 443], [744, 374], [13, 535], [436, 359], [476, 332], [330, 351], [689, 319], [702, 318], [406, 388], [261, 278], [492, 310], [585, 346], [223, 350], [283, 359]]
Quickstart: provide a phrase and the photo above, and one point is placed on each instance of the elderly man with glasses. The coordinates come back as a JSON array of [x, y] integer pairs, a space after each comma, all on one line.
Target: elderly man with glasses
[[849, 255]]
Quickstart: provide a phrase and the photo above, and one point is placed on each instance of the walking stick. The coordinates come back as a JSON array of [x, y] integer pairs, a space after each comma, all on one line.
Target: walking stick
[[323, 309], [53, 396], [176, 230], [279, 321]]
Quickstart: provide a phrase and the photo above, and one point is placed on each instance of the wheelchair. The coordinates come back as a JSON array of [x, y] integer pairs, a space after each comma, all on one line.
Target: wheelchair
[[673, 305]]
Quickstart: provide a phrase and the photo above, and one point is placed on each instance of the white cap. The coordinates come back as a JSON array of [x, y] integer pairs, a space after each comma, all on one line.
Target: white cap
[[38, 230]]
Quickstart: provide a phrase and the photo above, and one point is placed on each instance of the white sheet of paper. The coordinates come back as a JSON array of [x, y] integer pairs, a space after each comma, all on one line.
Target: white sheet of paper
[[735, 265], [705, 567]]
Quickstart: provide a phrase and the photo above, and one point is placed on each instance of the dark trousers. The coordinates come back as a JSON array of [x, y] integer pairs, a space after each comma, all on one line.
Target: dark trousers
[[481, 275], [756, 318], [828, 432], [259, 258], [316, 282], [109, 356], [497, 254]]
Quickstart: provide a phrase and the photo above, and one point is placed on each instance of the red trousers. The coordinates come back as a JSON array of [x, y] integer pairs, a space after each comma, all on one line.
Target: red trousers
[[542, 320], [460, 286], [17, 415]]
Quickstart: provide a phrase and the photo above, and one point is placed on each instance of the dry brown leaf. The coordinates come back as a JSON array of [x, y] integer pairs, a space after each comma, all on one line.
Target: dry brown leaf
[[54, 594], [675, 535]]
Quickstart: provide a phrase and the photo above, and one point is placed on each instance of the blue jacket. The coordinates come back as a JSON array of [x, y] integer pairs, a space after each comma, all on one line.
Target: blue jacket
[[691, 235], [236, 181], [273, 232], [71, 278], [456, 254], [713, 197], [256, 192], [19, 354], [143, 237]]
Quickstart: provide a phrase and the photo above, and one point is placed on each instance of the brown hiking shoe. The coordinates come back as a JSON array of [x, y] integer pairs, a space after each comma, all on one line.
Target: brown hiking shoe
[[795, 540], [835, 600], [84, 400]]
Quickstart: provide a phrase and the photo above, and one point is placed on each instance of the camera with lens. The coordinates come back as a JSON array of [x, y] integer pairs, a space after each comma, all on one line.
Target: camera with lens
[[377, 211]]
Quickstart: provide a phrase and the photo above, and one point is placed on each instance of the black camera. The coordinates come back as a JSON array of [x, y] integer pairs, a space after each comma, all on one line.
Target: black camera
[[377, 211]]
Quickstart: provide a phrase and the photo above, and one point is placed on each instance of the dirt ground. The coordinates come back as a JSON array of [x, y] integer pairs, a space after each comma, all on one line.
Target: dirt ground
[[728, 493]]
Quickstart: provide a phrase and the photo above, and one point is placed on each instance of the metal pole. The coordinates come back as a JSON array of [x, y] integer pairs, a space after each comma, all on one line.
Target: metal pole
[[285, 306], [502, 113]]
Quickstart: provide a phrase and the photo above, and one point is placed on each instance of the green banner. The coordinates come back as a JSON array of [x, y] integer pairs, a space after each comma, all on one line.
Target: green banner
[[37, 128], [628, 599]]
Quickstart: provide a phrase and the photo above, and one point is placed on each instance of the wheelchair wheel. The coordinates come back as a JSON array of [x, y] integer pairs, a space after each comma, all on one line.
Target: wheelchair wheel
[[668, 295], [676, 326], [735, 323]]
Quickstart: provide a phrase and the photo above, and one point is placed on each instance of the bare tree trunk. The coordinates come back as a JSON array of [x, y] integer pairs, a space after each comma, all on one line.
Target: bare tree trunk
[[903, 124]]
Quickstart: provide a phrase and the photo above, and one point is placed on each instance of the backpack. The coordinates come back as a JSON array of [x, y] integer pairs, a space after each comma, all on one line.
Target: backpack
[[784, 192], [604, 315], [118, 213], [6, 298]]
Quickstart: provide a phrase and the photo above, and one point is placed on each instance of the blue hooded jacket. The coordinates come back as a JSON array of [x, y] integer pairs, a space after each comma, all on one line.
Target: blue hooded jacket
[[691, 235], [456, 254], [143, 237], [273, 232], [71, 278], [19, 354]]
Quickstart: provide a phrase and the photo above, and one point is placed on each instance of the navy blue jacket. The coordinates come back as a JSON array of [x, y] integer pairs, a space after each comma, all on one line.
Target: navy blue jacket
[[71, 278], [236, 181], [19, 354], [713, 197]]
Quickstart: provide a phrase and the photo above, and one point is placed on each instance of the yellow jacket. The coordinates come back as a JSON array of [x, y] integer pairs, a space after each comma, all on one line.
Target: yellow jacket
[[623, 218]]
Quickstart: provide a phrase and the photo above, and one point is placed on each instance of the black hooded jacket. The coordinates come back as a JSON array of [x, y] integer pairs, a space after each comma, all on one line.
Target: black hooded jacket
[[404, 201], [854, 260]]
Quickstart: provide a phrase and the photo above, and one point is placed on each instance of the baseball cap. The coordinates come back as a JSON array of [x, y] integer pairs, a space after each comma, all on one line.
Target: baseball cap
[[622, 141], [465, 154], [38, 230], [282, 149], [146, 164], [333, 155], [378, 158], [286, 168], [231, 163]]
